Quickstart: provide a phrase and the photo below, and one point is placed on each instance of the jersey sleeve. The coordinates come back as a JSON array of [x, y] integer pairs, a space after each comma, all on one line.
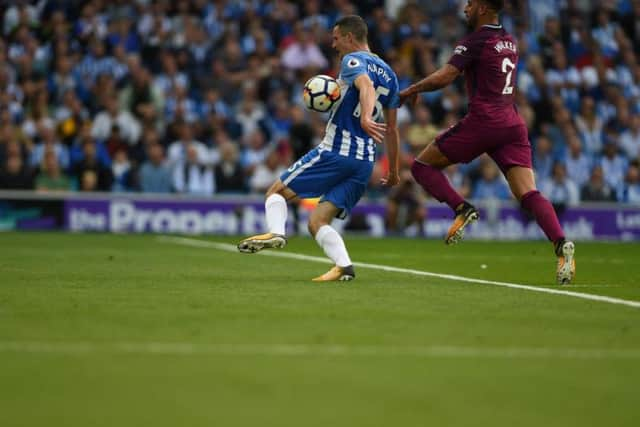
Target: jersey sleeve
[[465, 52], [351, 68]]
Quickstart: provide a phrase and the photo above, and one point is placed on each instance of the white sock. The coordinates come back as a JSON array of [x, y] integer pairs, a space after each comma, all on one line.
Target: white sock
[[333, 245], [276, 212]]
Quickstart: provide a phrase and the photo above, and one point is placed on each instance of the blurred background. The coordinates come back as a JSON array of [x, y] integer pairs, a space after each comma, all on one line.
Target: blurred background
[[186, 111]]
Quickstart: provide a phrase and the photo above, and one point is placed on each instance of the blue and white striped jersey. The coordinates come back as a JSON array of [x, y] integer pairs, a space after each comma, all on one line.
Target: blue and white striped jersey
[[344, 135]]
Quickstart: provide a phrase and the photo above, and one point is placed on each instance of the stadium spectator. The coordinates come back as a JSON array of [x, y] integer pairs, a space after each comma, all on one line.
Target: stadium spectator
[[251, 113], [10, 148], [15, 15], [178, 149], [77, 152], [560, 189], [229, 175], [613, 165], [37, 111], [155, 174], [190, 176], [49, 142], [631, 189], [90, 171], [62, 80], [14, 175], [141, 97], [606, 33], [170, 78], [121, 170], [491, 184], [578, 164], [590, 126], [70, 115], [421, 131], [551, 37], [597, 189], [562, 79], [302, 52], [630, 138], [180, 107], [543, 157], [266, 173], [255, 151], [50, 177], [105, 120]]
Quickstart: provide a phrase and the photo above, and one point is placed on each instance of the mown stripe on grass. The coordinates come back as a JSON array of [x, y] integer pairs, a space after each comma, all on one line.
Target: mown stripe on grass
[[290, 255], [293, 350]]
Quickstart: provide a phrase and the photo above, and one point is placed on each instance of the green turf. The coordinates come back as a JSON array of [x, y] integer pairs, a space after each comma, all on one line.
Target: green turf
[[116, 330]]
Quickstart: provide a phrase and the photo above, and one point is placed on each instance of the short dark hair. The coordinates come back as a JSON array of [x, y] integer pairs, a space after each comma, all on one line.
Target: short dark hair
[[355, 25], [496, 5]]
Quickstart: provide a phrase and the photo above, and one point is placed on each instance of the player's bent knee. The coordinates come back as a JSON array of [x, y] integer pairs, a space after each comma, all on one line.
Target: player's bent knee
[[316, 220], [278, 187], [432, 156], [314, 225], [275, 188]]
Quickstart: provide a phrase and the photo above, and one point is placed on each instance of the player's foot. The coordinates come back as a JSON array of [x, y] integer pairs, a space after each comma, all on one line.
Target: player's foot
[[465, 215], [262, 241], [566, 271], [340, 274]]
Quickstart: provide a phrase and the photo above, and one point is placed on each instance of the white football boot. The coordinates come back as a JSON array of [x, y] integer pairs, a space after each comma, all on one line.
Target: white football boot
[[262, 241], [566, 270]]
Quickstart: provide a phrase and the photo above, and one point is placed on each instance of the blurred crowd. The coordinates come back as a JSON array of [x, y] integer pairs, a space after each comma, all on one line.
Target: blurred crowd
[[204, 97]]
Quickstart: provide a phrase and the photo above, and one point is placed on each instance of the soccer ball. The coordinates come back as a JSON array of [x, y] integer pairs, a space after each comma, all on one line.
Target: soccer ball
[[320, 93]]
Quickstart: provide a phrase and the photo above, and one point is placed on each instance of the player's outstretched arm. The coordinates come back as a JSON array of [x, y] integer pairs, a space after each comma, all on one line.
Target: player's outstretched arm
[[367, 102], [392, 141], [437, 80]]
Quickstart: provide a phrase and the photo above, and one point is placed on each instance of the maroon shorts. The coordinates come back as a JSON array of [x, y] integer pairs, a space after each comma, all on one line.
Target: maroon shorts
[[466, 140]]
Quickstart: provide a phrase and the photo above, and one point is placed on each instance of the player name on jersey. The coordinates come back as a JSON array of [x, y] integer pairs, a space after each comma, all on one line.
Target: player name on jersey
[[505, 44], [379, 71]]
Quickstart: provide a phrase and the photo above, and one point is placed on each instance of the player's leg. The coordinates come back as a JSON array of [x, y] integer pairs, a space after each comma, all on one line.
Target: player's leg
[[338, 202], [391, 216], [427, 171], [276, 213], [522, 184], [309, 176], [513, 156], [331, 242]]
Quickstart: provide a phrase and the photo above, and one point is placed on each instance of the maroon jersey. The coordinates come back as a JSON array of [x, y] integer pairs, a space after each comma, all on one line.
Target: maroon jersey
[[488, 58]]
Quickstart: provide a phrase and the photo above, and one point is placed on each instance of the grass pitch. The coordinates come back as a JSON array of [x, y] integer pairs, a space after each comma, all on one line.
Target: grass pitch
[[106, 330]]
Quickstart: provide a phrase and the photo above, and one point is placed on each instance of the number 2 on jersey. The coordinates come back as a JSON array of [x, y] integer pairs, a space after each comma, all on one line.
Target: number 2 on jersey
[[508, 67], [377, 109]]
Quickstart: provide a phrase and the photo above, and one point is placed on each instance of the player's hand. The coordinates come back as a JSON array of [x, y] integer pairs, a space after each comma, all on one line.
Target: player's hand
[[375, 130], [391, 179], [411, 99]]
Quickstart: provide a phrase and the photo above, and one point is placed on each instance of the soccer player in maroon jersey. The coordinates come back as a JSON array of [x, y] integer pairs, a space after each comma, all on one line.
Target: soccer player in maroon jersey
[[487, 57]]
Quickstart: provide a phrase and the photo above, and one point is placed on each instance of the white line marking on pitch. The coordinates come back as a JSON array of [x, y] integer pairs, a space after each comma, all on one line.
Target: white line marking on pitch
[[336, 350], [592, 286], [231, 248]]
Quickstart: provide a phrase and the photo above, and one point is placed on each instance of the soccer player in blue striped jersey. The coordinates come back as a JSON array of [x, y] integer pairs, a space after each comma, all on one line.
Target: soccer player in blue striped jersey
[[339, 169]]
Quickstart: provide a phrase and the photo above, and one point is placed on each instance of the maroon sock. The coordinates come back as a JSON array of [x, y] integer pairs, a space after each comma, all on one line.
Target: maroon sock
[[544, 214], [436, 183]]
